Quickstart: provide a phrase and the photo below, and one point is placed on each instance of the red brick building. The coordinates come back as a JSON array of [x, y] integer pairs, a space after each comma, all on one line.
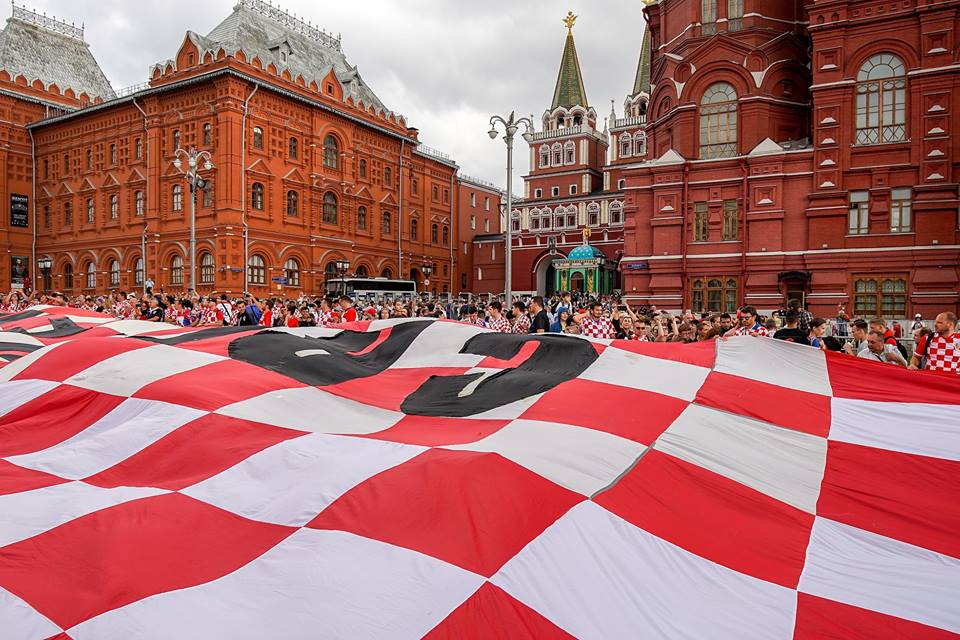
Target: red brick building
[[576, 178], [799, 149], [479, 206], [309, 166]]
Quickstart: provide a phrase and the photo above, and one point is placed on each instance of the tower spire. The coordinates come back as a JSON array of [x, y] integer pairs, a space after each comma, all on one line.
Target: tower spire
[[641, 83], [569, 91]]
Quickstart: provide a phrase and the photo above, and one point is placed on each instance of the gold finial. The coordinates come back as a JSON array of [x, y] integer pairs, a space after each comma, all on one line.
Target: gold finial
[[649, 2], [569, 21], [586, 235]]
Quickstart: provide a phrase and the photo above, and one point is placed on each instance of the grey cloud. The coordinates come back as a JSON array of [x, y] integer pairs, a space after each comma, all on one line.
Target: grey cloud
[[446, 65]]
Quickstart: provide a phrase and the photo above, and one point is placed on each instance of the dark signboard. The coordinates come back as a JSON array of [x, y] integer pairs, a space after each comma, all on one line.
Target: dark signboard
[[19, 207]]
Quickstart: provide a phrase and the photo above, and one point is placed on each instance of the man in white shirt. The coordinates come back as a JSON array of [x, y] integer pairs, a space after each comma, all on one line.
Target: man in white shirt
[[875, 349]]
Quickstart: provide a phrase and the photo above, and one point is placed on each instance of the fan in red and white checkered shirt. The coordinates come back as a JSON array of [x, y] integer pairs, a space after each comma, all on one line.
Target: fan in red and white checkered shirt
[[521, 321], [497, 321], [749, 324], [943, 351], [594, 324]]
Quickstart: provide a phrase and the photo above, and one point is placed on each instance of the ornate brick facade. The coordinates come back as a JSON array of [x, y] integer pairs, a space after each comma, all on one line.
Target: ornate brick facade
[[309, 168], [799, 149]]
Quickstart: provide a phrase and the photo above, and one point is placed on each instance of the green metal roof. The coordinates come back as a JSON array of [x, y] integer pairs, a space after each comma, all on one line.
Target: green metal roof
[[569, 91]]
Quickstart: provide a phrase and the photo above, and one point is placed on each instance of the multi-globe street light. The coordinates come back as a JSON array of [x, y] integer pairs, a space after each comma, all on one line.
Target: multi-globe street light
[[510, 125], [196, 183]]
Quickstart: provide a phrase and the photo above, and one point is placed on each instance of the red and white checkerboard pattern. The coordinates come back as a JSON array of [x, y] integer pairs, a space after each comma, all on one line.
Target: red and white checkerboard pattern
[[944, 353], [742, 489]]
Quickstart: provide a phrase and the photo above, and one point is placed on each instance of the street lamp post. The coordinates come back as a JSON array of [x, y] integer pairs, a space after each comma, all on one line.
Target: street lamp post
[[427, 269], [45, 265], [196, 183], [510, 125], [343, 266]]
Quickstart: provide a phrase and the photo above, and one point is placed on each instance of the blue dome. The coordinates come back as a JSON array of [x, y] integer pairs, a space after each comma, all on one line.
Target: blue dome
[[585, 252]]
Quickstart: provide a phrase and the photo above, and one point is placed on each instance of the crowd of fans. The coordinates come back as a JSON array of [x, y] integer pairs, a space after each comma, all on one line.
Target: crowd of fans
[[936, 348]]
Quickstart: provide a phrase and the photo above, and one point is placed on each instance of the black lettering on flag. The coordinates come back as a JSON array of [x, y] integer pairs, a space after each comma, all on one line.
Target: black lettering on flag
[[555, 360], [326, 361]]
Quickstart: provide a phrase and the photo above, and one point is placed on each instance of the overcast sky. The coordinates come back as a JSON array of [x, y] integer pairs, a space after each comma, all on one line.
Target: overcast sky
[[445, 64]]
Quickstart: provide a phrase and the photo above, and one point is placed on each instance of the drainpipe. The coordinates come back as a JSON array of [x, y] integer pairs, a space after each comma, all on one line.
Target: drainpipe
[[243, 185], [684, 198], [33, 201], [400, 215], [743, 245], [454, 224], [146, 197]]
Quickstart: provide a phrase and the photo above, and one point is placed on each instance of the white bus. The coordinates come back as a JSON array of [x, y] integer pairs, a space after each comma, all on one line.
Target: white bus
[[372, 288]]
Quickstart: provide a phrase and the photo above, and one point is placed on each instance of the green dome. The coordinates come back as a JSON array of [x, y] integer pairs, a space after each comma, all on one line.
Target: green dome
[[585, 252]]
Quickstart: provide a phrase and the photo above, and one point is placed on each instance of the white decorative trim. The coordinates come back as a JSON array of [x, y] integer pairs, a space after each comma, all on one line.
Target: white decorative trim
[[824, 185], [829, 120], [935, 131], [936, 109]]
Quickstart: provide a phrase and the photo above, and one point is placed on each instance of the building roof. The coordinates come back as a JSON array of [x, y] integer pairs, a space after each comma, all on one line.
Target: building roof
[[569, 91], [54, 52], [266, 31], [642, 82], [585, 252]]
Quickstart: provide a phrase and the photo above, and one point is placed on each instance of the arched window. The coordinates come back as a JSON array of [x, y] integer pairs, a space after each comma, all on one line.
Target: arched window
[[434, 232], [206, 268], [330, 207], [138, 149], [114, 273], [571, 217], [616, 213], [293, 204], [207, 134], [362, 218], [68, 276], [331, 152], [626, 145], [881, 100], [544, 156], [569, 152], [138, 203], [558, 219], [91, 211], [386, 273], [718, 122], [67, 214], [138, 272], [257, 270], [557, 150], [176, 138], [177, 197], [291, 270], [413, 229], [385, 224], [91, 276], [293, 148], [546, 217], [257, 138], [330, 271], [256, 196], [387, 177], [113, 154], [363, 168], [176, 270], [445, 235], [535, 220], [114, 207], [640, 144]]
